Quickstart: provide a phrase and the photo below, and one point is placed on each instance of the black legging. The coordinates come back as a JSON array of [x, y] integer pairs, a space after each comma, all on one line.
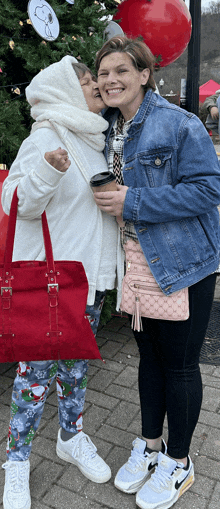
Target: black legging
[[169, 373]]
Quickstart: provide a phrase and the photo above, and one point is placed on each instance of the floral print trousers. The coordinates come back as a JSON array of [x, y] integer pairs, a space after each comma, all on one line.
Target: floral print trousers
[[30, 391]]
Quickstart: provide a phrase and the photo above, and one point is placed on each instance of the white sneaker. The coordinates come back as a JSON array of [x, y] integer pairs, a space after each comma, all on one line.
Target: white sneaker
[[133, 474], [169, 481], [16, 491], [80, 451]]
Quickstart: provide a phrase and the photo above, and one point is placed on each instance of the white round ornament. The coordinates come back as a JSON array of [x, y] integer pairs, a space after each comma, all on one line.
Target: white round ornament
[[43, 19], [111, 30], [70, 1]]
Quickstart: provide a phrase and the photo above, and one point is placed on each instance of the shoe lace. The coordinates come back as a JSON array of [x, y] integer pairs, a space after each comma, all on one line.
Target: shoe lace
[[17, 474], [89, 449], [136, 459], [161, 478]]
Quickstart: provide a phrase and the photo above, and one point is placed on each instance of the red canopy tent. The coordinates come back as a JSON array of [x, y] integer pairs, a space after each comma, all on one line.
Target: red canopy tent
[[208, 89]]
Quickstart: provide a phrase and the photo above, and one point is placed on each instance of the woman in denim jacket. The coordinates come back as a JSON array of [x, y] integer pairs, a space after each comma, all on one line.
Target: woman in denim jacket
[[168, 191]]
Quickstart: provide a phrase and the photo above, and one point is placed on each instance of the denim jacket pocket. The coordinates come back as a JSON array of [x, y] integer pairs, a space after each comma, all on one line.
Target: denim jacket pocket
[[157, 168]]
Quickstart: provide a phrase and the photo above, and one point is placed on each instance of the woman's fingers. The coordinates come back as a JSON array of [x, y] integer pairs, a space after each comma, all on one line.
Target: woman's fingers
[[58, 159]]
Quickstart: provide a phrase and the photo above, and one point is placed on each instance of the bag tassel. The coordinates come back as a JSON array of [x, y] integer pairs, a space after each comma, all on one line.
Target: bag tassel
[[136, 323]]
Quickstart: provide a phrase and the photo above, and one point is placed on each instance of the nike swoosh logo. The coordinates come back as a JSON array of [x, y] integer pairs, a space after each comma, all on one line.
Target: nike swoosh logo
[[178, 484], [150, 466]]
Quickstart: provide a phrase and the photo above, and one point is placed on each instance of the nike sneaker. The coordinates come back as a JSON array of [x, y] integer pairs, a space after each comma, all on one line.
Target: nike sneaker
[[133, 474], [169, 481]]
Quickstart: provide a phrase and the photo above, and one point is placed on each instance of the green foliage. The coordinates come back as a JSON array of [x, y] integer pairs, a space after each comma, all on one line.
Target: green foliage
[[109, 306], [23, 53]]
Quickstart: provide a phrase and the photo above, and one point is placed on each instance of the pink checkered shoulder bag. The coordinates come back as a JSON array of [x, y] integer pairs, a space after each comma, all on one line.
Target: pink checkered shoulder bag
[[142, 296]]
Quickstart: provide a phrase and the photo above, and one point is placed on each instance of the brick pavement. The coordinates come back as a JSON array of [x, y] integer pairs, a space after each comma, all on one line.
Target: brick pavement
[[112, 419]]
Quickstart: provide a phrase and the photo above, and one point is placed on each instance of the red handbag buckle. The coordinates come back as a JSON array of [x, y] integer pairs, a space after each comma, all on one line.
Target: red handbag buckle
[[6, 293], [51, 286], [5, 289], [53, 289]]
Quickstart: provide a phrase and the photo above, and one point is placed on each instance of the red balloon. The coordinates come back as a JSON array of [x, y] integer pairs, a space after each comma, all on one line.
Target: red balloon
[[165, 26]]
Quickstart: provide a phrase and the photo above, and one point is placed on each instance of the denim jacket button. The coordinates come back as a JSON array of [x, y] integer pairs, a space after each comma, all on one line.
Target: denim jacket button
[[157, 161]]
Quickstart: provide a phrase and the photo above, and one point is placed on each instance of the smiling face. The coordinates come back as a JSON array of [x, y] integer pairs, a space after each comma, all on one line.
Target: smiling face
[[91, 93], [121, 84]]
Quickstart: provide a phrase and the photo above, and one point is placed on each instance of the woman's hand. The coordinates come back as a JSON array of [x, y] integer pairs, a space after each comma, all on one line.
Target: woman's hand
[[58, 159], [214, 112], [111, 201]]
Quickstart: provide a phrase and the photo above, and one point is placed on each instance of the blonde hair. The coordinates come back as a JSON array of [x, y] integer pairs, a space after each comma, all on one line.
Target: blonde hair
[[138, 51]]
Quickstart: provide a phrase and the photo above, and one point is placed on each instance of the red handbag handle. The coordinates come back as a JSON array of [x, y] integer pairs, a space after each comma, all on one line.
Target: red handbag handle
[[11, 234]]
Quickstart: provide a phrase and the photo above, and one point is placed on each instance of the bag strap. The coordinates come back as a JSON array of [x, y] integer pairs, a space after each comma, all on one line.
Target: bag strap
[[11, 234]]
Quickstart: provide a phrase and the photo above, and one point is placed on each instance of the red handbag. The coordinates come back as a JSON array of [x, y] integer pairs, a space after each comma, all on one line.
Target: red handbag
[[3, 218], [43, 305]]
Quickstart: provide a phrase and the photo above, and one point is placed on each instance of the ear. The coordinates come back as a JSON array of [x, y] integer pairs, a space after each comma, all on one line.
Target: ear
[[145, 76]]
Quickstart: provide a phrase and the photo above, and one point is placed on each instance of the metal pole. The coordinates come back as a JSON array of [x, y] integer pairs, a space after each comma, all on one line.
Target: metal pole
[[193, 66]]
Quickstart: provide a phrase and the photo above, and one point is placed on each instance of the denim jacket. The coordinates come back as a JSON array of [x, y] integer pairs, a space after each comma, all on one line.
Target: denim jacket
[[173, 175]]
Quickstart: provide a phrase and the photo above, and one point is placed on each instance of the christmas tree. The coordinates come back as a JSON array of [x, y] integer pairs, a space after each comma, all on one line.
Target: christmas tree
[[23, 53]]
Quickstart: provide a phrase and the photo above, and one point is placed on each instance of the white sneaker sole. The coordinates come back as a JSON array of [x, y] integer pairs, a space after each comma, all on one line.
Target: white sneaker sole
[[135, 486], [166, 505], [85, 472]]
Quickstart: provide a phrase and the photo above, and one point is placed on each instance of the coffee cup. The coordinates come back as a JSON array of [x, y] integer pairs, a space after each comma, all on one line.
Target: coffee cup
[[104, 181]]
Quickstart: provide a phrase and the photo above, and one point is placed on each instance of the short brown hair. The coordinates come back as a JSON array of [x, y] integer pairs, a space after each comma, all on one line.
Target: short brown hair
[[138, 51]]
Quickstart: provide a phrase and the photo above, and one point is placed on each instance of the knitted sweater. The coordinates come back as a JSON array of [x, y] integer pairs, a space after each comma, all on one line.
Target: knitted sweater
[[79, 230]]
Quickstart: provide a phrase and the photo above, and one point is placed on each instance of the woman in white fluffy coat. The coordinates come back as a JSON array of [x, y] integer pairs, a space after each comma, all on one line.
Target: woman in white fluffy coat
[[52, 172]]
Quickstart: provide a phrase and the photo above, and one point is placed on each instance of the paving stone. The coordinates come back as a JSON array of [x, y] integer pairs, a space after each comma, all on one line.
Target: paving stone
[[109, 350], [211, 381], [73, 479], [127, 360], [37, 505], [50, 411], [116, 337], [130, 348], [4, 413], [122, 415], [209, 418], [135, 426], [207, 369], [46, 448], [100, 341], [6, 366], [122, 393], [92, 370], [60, 498], [94, 417], [117, 457], [100, 399], [52, 399], [190, 500], [116, 323], [211, 399], [5, 383], [43, 476], [111, 365], [203, 486], [216, 372], [51, 428], [128, 377], [116, 437], [103, 447], [211, 445], [215, 500], [208, 467], [101, 380], [108, 495]]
